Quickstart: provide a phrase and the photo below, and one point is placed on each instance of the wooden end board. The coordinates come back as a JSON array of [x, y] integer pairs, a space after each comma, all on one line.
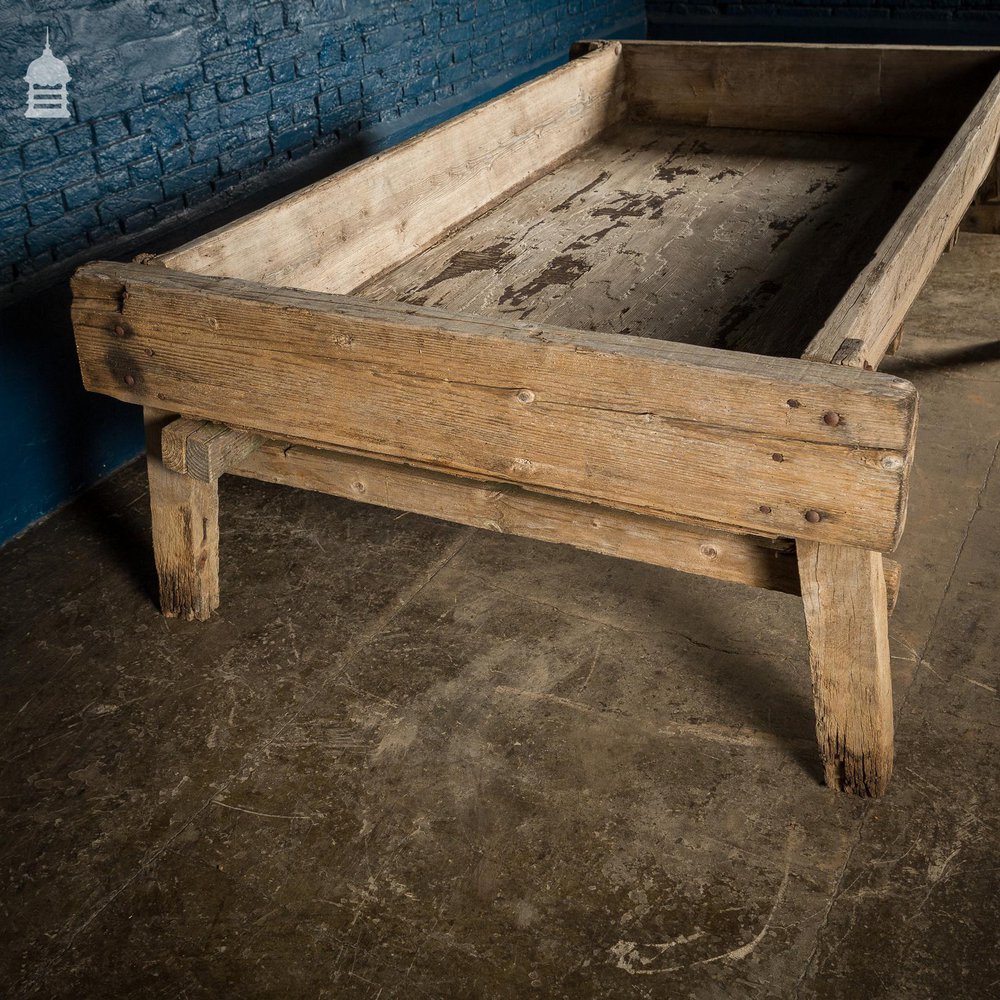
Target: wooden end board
[[774, 447], [884, 90]]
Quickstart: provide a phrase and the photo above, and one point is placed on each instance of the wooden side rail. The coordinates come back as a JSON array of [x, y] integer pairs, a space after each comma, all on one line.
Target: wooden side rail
[[767, 446]]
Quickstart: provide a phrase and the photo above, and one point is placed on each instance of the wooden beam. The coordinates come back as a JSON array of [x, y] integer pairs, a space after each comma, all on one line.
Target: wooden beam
[[205, 450], [844, 593], [514, 511], [881, 90], [874, 306], [343, 230], [510, 510], [769, 446], [185, 514]]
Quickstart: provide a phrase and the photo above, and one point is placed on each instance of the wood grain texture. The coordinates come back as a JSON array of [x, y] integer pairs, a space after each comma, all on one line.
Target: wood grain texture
[[844, 594], [205, 450], [883, 90], [754, 562], [730, 238], [873, 308], [185, 513], [674, 430], [344, 229], [514, 511]]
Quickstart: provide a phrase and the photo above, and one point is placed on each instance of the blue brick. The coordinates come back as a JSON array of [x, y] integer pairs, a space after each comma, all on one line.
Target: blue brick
[[283, 72], [43, 238], [92, 191], [239, 159], [39, 152], [126, 151], [46, 209], [269, 19], [290, 93], [177, 81], [56, 176], [233, 62], [108, 130], [67, 248], [145, 170], [14, 223], [139, 221], [294, 136], [229, 90], [202, 98], [202, 123], [282, 49], [258, 81], [164, 123], [11, 195], [190, 178], [75, 140], [10, 162], [172, 160], [246, 107], [125, 203]]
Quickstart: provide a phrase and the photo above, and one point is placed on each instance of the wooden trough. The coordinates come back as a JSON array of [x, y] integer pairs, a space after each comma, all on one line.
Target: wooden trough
[[635, 306]]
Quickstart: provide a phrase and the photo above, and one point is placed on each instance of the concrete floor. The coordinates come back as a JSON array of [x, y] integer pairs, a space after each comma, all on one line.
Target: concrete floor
[[415, 760]]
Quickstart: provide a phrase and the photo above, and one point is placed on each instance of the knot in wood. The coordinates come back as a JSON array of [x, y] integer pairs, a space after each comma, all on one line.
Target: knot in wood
[[525, 396]]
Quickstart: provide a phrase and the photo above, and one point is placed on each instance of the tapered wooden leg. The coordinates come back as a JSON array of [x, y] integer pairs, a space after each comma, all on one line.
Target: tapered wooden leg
[[185, 531], [843, 589]]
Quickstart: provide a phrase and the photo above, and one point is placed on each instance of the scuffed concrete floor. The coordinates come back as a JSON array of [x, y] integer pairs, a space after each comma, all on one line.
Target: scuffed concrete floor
[[414, 760]]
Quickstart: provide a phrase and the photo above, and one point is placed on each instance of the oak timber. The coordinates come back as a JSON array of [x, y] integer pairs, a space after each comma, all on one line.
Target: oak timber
[[873, 308], [344, 229], [674, 430], [882, 90], [730, 238], [844, 594], [185, 516]]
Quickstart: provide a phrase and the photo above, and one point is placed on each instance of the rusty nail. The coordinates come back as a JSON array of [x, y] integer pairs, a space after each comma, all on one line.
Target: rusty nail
[[831, 419], [778, 457], [813, 516], [794, 404], [120, 331], [130, 380], [709, 551], [764, 509]]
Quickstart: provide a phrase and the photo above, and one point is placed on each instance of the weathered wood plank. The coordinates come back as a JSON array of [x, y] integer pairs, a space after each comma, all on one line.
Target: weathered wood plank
[[724, 237], [755, 562], [346, 228], [514, 511], [185, 513], [844, 594], [205, 450], [777, 447], [882, 90], [873, 308]]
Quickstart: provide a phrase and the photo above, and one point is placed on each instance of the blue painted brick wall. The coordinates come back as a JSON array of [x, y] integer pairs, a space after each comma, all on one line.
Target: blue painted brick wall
[[178, 101], [929, 22]]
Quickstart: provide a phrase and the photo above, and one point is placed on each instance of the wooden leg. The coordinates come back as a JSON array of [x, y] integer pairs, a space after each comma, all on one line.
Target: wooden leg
[[843, 589], [185, 531]]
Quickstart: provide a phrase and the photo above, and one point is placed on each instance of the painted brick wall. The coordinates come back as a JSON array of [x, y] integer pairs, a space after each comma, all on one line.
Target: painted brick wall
[[943, 22], [179, 101]]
